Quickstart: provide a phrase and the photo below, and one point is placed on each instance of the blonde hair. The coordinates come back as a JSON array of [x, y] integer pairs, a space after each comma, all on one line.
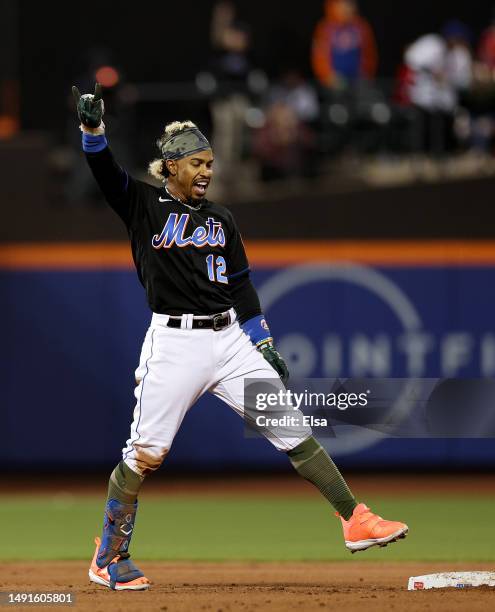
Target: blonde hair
[[157, 168]]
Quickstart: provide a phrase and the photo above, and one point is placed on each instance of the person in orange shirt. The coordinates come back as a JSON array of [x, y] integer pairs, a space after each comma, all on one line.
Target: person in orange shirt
[[344, 47]]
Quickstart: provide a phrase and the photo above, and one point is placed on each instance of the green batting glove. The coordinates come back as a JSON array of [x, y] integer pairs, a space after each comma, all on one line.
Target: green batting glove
[[90, 107], [275, 360]]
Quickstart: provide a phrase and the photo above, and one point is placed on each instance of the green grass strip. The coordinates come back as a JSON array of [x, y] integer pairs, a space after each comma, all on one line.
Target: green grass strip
[[245, 528]]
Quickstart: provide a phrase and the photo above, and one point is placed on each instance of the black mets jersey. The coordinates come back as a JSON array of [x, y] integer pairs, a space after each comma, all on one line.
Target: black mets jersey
[[187, 257]]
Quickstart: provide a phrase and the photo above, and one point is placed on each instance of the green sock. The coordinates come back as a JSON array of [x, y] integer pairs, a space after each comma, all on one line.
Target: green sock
[[312, 462], [124, 484]]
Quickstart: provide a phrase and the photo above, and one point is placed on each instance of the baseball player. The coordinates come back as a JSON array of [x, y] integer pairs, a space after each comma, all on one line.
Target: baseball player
[[207, 333]]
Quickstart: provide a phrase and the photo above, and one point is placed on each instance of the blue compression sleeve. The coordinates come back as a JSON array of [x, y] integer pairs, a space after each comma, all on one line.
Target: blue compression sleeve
[[92, 143], [257, 329]]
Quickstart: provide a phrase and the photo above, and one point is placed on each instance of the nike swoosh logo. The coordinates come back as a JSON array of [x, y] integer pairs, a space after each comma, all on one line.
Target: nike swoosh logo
[[164, 200]]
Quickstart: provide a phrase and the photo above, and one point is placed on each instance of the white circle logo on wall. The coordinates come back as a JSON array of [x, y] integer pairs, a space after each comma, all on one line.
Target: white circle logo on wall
[[366, 278]]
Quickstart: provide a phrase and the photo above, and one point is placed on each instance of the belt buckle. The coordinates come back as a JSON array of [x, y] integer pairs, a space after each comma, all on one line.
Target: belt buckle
[[217, 320]]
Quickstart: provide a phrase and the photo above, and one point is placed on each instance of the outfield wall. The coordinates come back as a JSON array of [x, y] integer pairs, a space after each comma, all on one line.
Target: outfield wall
[[74, 317]]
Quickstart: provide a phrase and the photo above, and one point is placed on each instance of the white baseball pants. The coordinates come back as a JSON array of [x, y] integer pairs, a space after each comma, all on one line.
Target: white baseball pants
[[176, 367]]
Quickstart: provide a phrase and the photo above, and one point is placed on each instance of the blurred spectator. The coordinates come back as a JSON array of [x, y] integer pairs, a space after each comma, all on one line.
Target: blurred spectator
[[231, 44], [430, 88], [431, 92], [460, 72], [459, 61], [482, 99], [284, 144], [437, 75], [293, 89], [344, 48]]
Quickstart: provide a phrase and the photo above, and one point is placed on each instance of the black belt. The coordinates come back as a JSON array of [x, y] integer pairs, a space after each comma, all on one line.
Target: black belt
[[215, 322]]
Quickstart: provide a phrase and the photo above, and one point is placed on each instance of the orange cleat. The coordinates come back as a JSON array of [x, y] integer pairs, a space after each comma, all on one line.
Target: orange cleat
[[119, 575], [365, 529]]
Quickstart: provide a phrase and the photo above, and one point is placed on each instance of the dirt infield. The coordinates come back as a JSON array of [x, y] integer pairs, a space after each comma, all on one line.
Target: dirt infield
[[255, 586]]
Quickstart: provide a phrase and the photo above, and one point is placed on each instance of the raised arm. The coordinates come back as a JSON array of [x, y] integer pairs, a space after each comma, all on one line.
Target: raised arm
[[111, 178]]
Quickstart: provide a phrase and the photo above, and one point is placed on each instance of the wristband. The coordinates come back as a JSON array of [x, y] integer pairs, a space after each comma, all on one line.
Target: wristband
[[257, 329], [93, 143]]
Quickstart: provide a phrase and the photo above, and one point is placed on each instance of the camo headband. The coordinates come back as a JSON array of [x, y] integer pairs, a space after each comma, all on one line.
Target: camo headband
[[184, 143]]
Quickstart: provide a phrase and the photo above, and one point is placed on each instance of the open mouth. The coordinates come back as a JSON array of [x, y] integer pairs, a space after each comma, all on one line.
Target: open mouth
[[200, 187]]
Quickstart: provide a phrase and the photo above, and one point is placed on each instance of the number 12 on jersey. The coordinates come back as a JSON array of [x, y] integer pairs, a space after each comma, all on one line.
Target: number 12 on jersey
[[217, 269]]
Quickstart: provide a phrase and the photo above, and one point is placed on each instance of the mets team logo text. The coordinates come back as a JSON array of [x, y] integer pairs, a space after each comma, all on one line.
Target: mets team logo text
[[174, 232]]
